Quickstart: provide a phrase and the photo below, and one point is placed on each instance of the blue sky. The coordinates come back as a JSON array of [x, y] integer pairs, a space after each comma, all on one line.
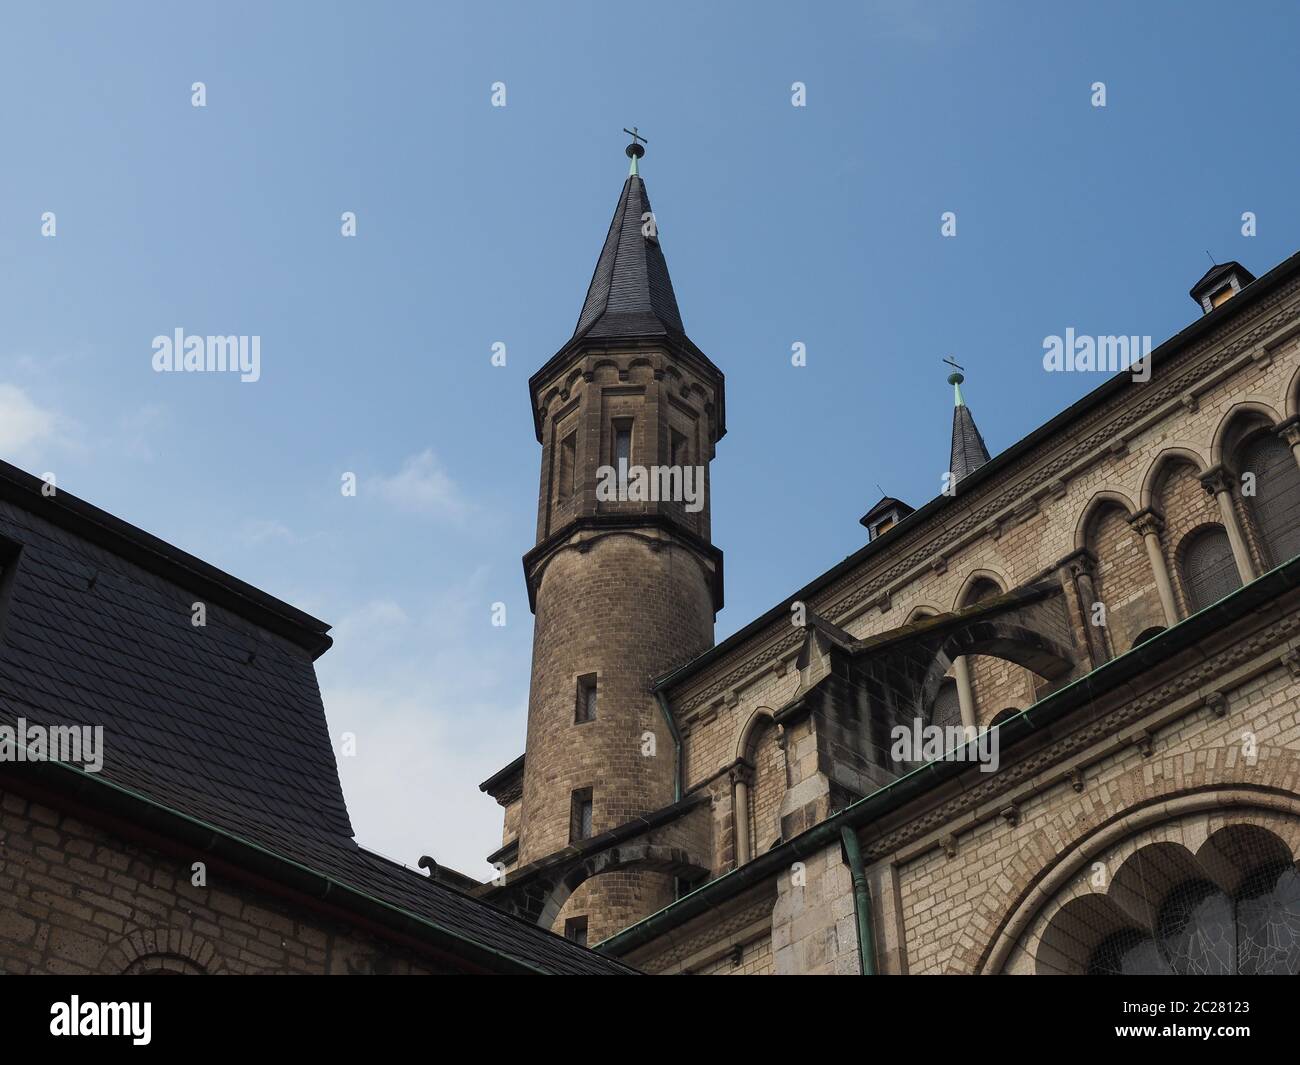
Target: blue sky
[[476, 224]]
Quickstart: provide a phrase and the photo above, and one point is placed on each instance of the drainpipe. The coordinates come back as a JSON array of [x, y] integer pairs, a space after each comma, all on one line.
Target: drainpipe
[[861, 902], [677, 744]]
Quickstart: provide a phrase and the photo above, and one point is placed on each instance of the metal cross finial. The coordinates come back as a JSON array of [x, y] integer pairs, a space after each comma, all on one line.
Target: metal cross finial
[[955, 379], [634, 151]]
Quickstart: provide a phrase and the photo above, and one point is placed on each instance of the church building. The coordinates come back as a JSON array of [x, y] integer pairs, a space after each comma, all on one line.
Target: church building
[[1047, 722]]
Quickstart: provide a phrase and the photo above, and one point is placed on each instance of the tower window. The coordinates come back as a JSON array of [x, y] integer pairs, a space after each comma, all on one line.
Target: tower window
[[586, 709], [580, 816], [568, 464], [622, 443], [679, 454], [683, 885], [575, 930]]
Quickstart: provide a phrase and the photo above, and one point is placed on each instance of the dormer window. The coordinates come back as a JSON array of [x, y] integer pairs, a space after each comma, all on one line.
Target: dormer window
[[884, 516], [1220, 283]]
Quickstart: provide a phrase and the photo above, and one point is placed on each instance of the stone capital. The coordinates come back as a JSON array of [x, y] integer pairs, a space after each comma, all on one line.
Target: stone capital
[[1147, 523], [1080, 563], [1289, 430], [1217, 479]]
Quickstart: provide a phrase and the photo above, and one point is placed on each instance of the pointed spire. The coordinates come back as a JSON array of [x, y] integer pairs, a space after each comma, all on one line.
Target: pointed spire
[[968, 450], [631, 294]]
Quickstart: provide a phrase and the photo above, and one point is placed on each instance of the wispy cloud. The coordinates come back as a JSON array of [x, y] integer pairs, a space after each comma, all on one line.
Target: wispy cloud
[[422, 486], [26, 428], [436, 699], [259, 531]]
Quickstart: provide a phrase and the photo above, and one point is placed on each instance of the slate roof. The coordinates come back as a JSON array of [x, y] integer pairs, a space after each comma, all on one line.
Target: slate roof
[[968, 450], [222, 723], [630, 294]]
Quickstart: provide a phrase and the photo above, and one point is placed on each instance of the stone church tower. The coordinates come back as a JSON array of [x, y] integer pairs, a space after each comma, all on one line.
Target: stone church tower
[[623, 589]]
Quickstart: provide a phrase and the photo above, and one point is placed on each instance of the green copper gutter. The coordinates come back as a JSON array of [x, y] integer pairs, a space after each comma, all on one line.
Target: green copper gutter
[[677, 744], [861, 902]]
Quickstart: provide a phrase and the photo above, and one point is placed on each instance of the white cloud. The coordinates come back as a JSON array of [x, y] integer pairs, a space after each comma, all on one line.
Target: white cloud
[[422, 486], [25, 427], [256, 531], [436, 698]]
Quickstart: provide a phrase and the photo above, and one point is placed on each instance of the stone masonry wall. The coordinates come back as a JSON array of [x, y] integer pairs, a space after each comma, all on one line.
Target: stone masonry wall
[[75, 899]]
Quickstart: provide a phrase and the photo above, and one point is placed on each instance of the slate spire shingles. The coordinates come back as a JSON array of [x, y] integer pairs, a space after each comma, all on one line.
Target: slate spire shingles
[[968, 450], [631, 294]]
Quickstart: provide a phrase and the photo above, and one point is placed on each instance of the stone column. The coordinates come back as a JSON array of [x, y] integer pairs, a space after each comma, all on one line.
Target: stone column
[[1218, 482], [1080, 573], [1289, 431], [740, 811], [965, 693], [1083, 570], [1148, 524]]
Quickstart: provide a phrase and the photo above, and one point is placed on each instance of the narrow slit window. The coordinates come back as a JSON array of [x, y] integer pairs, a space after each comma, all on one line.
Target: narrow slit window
[[586, 708], [580, 816], [568, 464], [622, 443], [679, 451], [575, 930]]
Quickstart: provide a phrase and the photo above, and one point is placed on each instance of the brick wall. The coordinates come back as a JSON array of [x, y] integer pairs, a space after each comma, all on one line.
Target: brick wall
[[75, 899]]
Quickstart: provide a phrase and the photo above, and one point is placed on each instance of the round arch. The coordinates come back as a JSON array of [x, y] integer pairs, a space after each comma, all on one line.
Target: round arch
[[746, 734], [974, 578], [922, 611], [652, 856], [1092, 844], [165, 949], [1291, 401], [1106, 497], [1246, 410], [1168, 456]]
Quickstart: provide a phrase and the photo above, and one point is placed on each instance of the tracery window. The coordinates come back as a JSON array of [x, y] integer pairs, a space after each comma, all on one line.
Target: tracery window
[[1231, 909]]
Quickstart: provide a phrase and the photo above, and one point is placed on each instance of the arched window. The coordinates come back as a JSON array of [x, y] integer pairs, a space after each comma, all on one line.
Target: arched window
[[1004, 715], [947, 705], [1147, 634], [1275, 505], [1209, 570], [1202, 930], [982, 588], [1230, 908]]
